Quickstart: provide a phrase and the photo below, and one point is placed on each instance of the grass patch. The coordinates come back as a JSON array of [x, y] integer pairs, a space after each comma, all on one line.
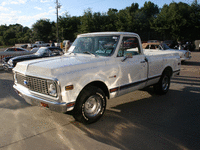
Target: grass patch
[[5, 46]]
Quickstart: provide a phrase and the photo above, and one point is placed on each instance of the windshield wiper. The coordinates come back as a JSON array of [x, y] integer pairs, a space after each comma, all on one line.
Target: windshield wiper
[[87, 52]]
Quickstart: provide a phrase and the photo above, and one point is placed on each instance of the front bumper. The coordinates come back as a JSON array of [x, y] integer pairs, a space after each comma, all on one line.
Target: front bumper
[[38, 101], [186, 58], [7, 67]]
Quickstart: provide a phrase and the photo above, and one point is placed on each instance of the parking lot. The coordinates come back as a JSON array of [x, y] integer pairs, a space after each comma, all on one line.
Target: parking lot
[[140, 120]]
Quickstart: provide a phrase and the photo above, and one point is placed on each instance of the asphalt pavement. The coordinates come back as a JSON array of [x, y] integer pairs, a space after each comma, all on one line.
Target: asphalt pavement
[[140, 120]]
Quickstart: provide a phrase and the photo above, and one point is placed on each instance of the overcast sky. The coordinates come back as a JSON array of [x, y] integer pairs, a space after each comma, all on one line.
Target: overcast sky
[[27, 12]]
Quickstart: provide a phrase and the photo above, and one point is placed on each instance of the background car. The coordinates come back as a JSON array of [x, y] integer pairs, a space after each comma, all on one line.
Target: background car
[[66, 41], [13, 49], [24, 46], [9, 63], [130, 43], [153, 41], [184, 54], [171, 43], [12, 53]]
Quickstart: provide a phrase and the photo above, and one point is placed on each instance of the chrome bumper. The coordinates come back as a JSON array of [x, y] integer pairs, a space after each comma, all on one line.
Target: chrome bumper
[[37, 101], [186, 58], [7, 67]]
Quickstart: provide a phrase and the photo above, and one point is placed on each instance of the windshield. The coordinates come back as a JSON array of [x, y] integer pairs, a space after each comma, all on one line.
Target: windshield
[[97, 45], [42, 51], [165, 47]]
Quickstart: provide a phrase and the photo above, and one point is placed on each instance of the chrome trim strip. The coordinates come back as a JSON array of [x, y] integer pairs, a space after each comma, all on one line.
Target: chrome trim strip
[[133, 84]]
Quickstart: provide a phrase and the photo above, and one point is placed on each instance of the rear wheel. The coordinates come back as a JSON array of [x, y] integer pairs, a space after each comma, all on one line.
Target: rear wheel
[[90, 105], [162, 87]]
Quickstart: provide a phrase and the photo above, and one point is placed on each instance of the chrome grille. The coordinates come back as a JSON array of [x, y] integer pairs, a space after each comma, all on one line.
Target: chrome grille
[[20, 79], [33, 83]]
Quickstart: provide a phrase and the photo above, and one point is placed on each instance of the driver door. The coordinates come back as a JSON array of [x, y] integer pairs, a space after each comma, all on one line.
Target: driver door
[[132, 65]]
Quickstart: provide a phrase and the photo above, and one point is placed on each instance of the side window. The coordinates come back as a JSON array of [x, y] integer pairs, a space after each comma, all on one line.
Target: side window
[[147, 47], [152, 47], [129, 47], [19, 49], [11, 49]]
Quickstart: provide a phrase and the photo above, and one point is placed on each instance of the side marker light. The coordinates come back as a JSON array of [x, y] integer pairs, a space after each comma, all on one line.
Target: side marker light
[[69, 87]]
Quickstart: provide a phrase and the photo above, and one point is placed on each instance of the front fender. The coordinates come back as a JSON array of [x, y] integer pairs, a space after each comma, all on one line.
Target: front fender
[[78, 84]]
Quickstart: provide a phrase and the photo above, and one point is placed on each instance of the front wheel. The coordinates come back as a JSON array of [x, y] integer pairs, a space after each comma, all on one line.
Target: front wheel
[[162, 87], [90, 105]]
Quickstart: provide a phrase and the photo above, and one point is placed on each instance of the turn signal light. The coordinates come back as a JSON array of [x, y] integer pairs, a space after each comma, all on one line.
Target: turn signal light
[[70, 104], [114, 90], [44, 105], [69, 87]]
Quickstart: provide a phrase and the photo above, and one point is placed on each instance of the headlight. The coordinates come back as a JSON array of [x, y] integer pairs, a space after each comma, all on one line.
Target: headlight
[[51, 85]]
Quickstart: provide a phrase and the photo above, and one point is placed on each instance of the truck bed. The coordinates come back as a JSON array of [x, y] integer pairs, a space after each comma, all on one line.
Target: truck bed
[[150, 53]]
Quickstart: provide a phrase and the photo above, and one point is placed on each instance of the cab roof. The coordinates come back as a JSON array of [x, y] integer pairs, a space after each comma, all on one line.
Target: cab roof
[[107, 33]]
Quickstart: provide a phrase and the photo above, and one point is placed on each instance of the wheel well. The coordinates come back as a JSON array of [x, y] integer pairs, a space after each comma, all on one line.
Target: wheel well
[[101, 85], [168, 70]]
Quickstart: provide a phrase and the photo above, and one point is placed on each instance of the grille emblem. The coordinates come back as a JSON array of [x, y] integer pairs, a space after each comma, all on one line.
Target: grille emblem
[[25, 82]]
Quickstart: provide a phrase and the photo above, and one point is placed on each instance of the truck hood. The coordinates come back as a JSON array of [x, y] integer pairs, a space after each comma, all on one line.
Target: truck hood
[[59, 65]]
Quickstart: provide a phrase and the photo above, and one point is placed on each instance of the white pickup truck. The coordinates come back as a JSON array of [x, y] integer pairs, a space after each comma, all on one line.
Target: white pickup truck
[[38, 44], [98, 67]]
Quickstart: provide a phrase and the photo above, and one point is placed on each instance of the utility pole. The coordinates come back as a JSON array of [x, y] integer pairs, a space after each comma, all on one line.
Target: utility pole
[[57, 7]]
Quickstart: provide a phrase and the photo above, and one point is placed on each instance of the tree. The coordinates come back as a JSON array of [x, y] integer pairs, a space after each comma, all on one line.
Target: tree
[[42, 30], [122, 20], [178, 21], [9, 37], [3, 28], [195, 21], [86, 22], [173, 21], [68, 27], [93, 22], [147, 14], [110, 20]]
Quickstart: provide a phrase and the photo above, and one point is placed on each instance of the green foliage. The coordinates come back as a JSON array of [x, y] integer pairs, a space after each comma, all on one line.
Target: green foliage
[[110, 20], [12, 34], [42, 30], [179, 21], [68, 27]]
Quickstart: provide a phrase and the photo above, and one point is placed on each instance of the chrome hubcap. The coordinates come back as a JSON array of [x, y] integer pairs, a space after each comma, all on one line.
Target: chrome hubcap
[[165, 83], [92, 106]]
